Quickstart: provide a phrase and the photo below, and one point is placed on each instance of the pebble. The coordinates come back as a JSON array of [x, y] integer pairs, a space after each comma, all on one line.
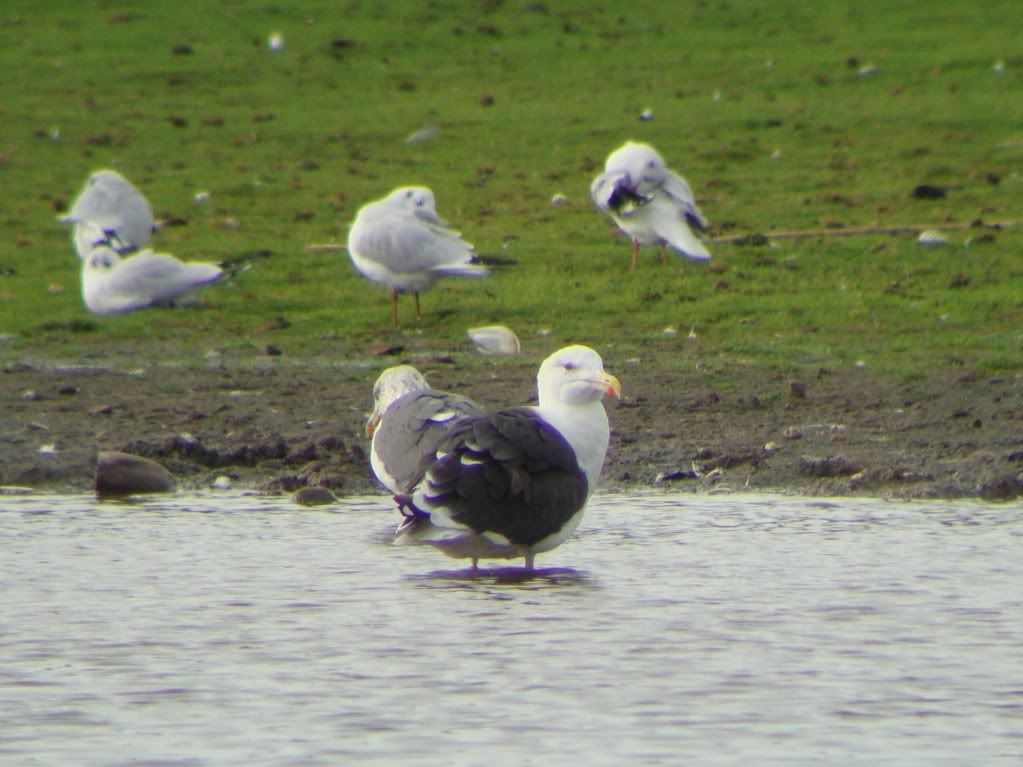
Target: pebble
[[494, 339], [275, 42], [559, 199], [932, 238], [222, 483]]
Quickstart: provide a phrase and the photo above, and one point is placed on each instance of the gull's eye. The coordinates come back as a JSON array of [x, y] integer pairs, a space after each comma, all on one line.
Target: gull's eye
[[651, 164], [408, 194], [569, 366]]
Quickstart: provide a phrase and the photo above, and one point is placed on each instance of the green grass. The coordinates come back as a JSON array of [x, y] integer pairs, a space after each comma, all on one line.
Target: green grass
[[291, 144]]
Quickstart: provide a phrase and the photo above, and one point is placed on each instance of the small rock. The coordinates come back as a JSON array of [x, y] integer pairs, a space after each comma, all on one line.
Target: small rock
[[558, 200], [646, 115], [792, 433], [929, 192], [386, 351], [425, 133], [797, 389], [959, 280], [30, 395], [772, 447], [867, 70], [68, 390], [102, 410], [49, 449], [201, 197], [675, 476], [669, 332], [222, 483], [271, 350], [932, 238], [125, 474], [314, 496], [275, 42], [1003, 488], [832, 466], [494, 339], [998, 67]]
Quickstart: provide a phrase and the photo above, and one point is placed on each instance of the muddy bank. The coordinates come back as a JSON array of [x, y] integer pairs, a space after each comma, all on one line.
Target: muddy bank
[[276, 428]]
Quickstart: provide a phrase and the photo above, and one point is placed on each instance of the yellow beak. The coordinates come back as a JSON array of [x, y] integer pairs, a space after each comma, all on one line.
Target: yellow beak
[[372, 423], [612, 385]]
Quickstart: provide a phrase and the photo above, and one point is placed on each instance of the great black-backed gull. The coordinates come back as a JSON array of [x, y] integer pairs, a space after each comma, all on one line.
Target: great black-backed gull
[[112, 285], [649, 202], [109, 210], [400, 241], [409, 419], [513, 483]]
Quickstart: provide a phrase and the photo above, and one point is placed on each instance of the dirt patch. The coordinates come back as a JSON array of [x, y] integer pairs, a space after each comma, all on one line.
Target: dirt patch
[[278, 428]]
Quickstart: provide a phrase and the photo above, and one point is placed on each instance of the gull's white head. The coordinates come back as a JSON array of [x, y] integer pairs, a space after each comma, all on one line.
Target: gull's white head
[[413, 198], [637, 159], [575, 376], [106, 177], [391, 385]]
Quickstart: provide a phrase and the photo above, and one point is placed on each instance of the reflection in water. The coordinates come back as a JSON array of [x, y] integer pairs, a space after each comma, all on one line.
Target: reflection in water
[[216, 630]]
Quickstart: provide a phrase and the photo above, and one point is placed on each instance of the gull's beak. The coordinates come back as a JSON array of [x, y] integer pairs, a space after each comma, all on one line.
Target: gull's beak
[[611, 385], [372, 423]]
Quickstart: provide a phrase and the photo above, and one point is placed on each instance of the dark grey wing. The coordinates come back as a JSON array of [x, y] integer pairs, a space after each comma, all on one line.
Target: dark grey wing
[[508, 472], [413, 426]]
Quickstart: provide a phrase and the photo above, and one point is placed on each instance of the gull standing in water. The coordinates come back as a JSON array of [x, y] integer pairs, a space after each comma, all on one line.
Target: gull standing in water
[[409, 419], [514, 483]]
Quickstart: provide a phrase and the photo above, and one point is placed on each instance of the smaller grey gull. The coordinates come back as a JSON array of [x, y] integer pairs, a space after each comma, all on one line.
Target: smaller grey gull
[[649, 202], [409, 418], [514, 483], [109, 210], [113, 285], [400, 241]]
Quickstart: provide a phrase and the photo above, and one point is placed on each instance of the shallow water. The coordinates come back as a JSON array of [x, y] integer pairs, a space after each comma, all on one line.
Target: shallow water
[[717, 630]]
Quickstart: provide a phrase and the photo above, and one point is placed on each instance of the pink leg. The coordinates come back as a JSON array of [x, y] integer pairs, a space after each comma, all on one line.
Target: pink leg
[[635, 255], [394, 307], [419, 314]]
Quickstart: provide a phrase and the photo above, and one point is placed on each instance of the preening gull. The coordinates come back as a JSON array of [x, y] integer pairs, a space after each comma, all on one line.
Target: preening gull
[[110, 211], [409, 419], [513, 483], [649, 202], [400, 241], [112, 285]]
